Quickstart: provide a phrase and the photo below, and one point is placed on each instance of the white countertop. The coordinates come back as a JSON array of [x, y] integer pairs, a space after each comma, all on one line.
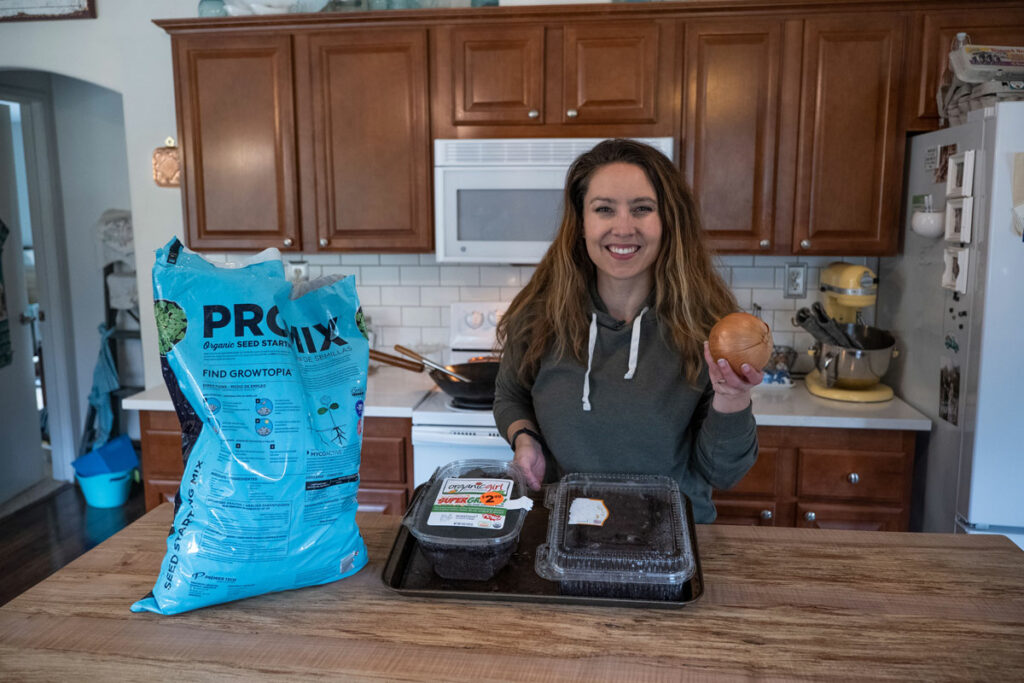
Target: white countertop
[[797, 407], [390, 392], [393, 392]]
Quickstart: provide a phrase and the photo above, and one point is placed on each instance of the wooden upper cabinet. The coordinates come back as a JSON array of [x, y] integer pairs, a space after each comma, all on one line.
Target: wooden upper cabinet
[[365, 139], [236, 129], [929, 58], [610, 73], [850, 149], [597, 78], [497, 75], [730, 142]]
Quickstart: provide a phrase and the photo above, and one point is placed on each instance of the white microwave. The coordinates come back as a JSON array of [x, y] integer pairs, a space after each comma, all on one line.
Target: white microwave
[[500, 200]]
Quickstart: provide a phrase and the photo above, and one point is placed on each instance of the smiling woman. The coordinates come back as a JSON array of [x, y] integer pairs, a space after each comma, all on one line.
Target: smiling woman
[[626, 287]]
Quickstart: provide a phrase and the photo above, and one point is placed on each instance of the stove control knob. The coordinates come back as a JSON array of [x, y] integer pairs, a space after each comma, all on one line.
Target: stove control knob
[[492, 318], [475, 319]]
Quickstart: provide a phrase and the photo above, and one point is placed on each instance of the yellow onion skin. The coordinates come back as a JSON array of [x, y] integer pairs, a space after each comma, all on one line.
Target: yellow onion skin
[[741, 338]]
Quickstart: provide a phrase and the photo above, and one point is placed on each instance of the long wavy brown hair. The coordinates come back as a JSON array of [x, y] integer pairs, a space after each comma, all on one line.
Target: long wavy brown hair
[[553, 310]]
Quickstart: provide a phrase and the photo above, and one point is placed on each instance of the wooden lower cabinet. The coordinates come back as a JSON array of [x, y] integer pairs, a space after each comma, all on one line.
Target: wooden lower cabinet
[[825, 478], [385, 471]]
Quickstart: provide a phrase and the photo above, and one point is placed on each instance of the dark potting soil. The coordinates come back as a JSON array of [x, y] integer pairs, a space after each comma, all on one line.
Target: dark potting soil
[[640, 530], [457, 560]]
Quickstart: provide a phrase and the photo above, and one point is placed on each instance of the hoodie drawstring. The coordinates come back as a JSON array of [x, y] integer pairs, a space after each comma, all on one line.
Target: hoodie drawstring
[[634, 345], [634, 352], [591, 342]]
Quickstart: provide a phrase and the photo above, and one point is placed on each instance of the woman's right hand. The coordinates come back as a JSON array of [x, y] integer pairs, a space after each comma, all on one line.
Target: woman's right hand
[[530, 458]]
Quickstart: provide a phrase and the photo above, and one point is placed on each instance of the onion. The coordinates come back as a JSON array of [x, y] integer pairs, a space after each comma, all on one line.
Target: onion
[[741, 338]]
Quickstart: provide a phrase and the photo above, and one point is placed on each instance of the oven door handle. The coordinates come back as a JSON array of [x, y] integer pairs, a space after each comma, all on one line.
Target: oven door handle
[[447, 436]]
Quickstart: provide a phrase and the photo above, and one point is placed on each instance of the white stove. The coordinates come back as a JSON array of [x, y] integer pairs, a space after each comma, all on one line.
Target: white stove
[[442, 433]]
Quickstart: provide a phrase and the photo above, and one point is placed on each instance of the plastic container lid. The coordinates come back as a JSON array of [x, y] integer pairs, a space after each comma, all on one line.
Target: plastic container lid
[[616, 528], [465, 504]]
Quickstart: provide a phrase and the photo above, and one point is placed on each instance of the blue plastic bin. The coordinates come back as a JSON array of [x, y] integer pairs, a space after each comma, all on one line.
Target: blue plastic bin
[[106, 490], [105, 474]]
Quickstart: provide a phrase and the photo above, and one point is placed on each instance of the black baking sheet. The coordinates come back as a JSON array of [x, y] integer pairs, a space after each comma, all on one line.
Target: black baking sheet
[[408, 572]]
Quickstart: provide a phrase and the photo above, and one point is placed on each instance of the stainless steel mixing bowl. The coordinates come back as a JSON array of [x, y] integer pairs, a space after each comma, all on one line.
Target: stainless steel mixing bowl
[[850, 368]]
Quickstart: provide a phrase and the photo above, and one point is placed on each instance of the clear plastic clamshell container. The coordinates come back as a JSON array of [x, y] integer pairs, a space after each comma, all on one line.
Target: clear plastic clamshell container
[[617, 536], [466, 519]]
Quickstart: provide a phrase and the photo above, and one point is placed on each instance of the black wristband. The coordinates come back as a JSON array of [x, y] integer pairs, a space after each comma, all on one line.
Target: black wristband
[[532, 433]]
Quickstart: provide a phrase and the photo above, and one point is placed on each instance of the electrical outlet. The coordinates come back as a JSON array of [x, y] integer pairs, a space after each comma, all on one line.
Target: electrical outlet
[[796, 281], [298, 271]]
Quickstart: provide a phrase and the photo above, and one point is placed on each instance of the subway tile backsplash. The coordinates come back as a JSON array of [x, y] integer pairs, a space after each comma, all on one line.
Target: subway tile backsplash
[[407, 296]]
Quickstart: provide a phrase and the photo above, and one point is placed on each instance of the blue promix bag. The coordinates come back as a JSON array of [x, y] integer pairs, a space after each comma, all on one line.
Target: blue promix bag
[[269, 389]]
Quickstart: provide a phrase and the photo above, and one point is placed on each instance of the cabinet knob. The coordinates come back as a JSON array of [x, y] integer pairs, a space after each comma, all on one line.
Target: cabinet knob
[[810, 516], [764, 244], [805, 244], [323, 241], [853, 477], [288, 241], [572, 113], [533, 113], [766, 514]]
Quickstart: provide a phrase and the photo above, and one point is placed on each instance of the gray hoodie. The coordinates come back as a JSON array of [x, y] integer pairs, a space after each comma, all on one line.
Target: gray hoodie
[[598, 420]]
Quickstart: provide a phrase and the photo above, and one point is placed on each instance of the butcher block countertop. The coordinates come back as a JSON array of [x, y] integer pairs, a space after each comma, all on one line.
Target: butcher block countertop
[[778, 603]]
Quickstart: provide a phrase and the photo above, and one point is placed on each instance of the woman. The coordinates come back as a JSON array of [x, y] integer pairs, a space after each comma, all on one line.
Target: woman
[[605, 365]]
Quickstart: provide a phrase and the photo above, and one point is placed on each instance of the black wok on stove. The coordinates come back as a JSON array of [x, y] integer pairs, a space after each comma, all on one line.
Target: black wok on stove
[[478, 392]]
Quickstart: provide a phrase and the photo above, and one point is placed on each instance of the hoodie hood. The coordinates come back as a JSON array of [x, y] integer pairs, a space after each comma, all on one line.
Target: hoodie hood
[[599, 317]]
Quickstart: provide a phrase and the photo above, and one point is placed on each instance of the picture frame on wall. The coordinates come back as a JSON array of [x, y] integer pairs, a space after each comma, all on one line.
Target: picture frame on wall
[[958, 218], [960, 174], [954, 274], [38, 10]]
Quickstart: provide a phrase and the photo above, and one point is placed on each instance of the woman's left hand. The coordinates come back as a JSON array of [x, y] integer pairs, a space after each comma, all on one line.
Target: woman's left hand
[[732, 391]]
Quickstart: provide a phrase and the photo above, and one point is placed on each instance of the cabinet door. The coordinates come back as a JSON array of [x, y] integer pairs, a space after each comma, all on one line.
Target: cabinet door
[[236, 127], [610, 73], [497, 74], [864, 476], [850, 149], [930, 60], [366, 140], [384, 501], [855, 517], [745, 512], [731, 136]]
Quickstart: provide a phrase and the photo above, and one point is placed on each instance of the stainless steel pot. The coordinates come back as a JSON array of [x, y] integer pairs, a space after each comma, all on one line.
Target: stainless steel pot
[[849, 368]]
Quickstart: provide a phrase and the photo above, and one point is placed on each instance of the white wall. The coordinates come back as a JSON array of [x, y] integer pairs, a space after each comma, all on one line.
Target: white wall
[[124, 51], [89, 123]]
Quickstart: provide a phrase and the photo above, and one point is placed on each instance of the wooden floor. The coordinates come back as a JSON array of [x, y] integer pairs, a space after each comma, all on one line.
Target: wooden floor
[[48, 534]]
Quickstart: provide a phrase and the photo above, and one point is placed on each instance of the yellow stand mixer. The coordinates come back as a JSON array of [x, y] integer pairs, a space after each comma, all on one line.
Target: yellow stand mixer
[[845, 373]]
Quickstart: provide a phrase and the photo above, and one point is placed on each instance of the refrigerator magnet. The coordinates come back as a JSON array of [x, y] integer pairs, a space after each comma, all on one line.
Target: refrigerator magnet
[[960, 174], [954, 276], [958, 219]]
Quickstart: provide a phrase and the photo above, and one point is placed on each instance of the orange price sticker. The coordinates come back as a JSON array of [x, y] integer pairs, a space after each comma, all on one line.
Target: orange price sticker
[[492, 497]]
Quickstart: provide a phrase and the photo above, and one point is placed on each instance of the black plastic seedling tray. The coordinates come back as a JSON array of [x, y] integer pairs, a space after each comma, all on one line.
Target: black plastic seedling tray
[[408, 572]]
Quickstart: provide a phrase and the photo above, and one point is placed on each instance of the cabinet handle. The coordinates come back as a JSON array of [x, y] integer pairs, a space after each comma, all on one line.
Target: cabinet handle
[[533, 113], [810, 516], [805, 244], [764, 244], [572, 113], [853, 477], [766, 514], [323, 241], [288, 241]]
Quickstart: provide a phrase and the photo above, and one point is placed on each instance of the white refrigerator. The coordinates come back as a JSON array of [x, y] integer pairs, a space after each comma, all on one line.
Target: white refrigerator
[[955, 303]]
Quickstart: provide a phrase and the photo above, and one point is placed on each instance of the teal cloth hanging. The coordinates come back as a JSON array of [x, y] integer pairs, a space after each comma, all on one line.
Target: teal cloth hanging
[[104, 381]]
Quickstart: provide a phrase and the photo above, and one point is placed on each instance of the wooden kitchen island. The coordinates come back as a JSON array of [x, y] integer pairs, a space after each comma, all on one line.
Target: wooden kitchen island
[[778, 603]]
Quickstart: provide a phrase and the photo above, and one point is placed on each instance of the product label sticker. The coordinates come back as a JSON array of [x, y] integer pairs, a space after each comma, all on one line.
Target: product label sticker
[[480, 503], [589, 511]]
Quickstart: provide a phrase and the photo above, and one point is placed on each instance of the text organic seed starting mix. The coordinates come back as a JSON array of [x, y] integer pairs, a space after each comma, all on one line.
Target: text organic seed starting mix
[[269, 385]]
